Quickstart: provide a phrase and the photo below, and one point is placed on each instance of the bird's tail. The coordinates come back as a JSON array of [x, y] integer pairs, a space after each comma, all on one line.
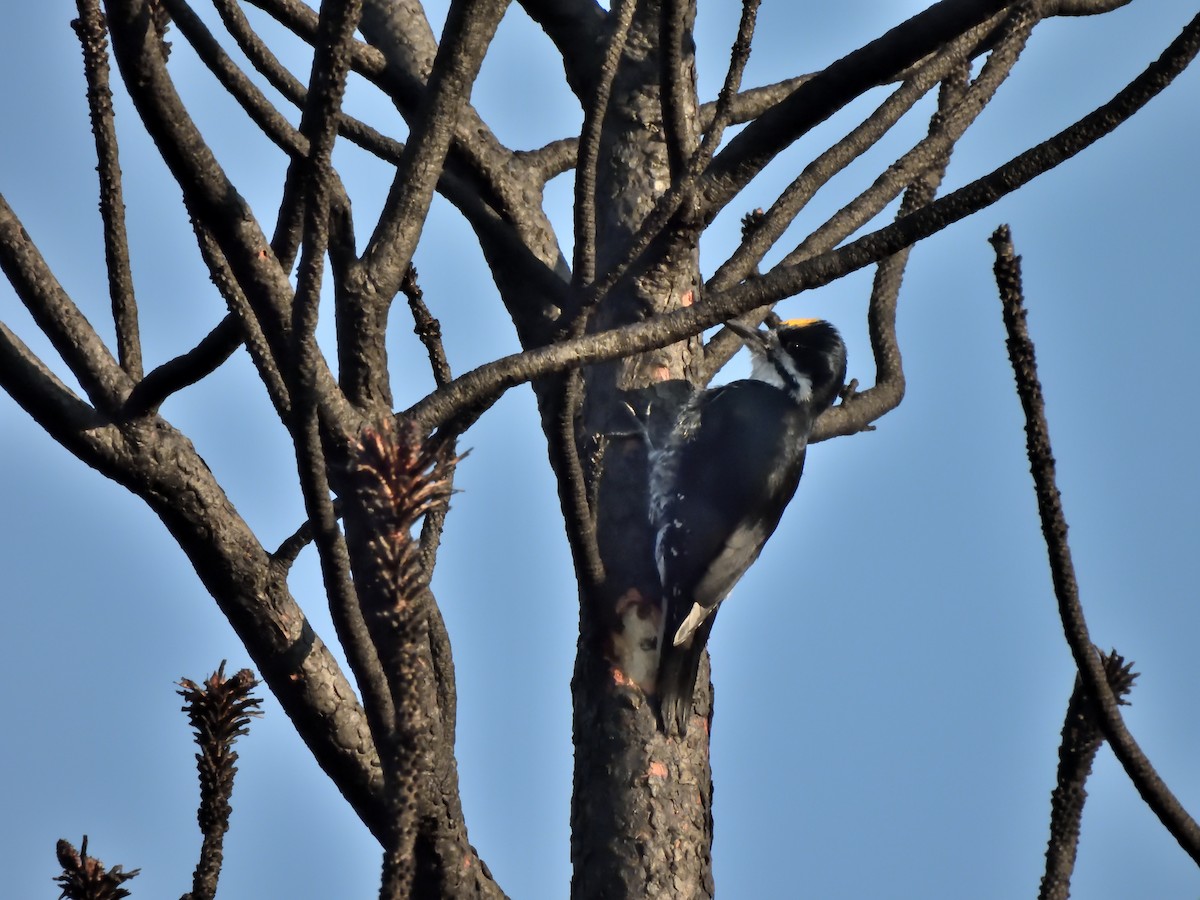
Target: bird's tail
[[677, 670]]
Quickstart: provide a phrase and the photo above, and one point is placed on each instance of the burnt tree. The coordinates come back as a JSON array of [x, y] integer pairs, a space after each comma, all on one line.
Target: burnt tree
[[619, 323]]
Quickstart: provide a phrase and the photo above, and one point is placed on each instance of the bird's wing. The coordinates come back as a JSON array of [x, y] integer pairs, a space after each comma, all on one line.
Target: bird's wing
[[730, 492]]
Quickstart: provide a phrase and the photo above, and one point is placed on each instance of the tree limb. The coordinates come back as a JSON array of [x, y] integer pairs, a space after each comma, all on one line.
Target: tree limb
[[583, 270], [770, 226], [56, 314], [856, 411], [784, 281], [90, 28], [210, 197], [1137, 766], [576, 27], [829, 90], [186, 369], [50, 403], [470, 25]]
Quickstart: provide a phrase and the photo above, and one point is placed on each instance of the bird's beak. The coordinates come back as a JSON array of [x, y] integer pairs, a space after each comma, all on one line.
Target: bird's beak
[[749, 335]]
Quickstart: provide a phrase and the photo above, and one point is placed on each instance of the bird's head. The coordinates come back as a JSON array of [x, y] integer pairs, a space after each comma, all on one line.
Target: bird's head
[[805, 357]]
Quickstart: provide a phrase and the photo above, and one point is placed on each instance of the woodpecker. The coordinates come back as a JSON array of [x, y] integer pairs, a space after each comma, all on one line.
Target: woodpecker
[[720, 482]]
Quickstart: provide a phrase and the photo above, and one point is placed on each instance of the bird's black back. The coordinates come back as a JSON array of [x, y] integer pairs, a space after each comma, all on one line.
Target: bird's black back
[[713, 528]]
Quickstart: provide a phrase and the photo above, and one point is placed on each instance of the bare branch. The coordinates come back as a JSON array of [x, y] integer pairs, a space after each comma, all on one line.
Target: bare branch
[[576, 503], [49, 402], [682, 190], [269, 120], [429, 330], [470, 25], [401, 74], [748, 105], [575, 27], [319, 127], [863, 208], [500, 200], [1083, 7], [727, 103], [859, 409], [1137, 766], [559, 156], [567, 395], [69, 331], [210, 197], [251, 331], [875, 63], [583, 271], [426, 327], [494, 378], [246, 584], [186, 369], [289, 550], [677, 92], [92, 34], [786, 281], [654, 228], [551, 160], [770, 226]]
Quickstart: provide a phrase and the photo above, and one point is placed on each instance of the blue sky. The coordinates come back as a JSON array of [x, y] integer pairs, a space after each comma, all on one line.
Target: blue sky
[[891, 676]]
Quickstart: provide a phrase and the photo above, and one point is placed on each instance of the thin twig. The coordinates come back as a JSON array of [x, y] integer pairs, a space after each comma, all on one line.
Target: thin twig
[[1016, 30], [1054, 529], [889, 386], [725, 108], [470, 27], [764, 228], [583, 269], [252, 333], [875, 63], [573, 485], [93, 37], [677, 93], [319, 126], [768, 227], [429, 330], [559, 156]]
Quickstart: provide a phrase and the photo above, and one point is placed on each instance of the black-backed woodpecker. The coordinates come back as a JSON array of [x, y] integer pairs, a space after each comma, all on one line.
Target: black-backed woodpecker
[[719, 485]]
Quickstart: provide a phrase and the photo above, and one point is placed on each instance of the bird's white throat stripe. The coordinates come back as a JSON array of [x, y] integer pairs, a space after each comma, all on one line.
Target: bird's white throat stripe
[[763, 368]]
